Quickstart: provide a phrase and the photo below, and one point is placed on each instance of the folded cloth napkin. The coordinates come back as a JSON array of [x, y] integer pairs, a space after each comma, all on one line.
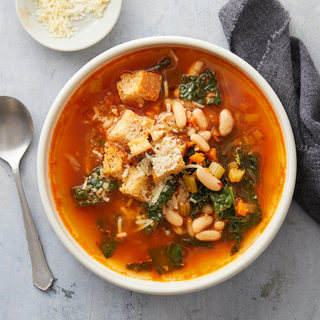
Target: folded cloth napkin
[[258, 32]]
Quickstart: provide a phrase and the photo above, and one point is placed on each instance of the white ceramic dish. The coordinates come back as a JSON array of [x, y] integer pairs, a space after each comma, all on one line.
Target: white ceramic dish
[[244, 259], [91, 30]]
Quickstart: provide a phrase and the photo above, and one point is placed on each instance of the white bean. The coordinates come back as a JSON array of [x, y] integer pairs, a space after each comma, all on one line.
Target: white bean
[[207, 209], [201, 223], [209, 180], [196, 68], [206, 135], [189, 227], [202, 144], [219, 225], [191, 131], [226, 122], [179, 230], [208, 235], [201, 119], [179, 114], [174, 217]]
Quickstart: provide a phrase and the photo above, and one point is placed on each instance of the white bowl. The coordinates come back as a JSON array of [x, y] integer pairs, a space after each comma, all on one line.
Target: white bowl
[[244, 259], [91, 30]]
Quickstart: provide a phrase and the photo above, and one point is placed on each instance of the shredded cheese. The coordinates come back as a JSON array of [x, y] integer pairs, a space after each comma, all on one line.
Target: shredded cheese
[[57, 15]]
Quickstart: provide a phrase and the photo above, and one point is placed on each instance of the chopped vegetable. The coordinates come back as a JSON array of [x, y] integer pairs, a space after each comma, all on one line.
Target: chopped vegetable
[[163, 63], [197, 157], [108, 247], [197, 88], [185, 209], [155, 210], [216, 169], [236, 175], [140, 266], [241, 208], [191, 183], [166, 258], [221, 201], [94, 190], [199, 199], [196, 243]]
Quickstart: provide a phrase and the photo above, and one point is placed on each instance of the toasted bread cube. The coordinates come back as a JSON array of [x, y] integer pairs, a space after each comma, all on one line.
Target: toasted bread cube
[[138, 87], [137, 185], [140, 147], [157, 132], [115, 161], [129, 127], [168, 158]]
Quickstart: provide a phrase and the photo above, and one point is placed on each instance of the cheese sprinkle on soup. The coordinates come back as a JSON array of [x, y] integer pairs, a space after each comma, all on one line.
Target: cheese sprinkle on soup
[[167, 163]]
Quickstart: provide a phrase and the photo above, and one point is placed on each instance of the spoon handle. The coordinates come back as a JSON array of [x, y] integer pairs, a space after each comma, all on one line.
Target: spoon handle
[[42, 277]]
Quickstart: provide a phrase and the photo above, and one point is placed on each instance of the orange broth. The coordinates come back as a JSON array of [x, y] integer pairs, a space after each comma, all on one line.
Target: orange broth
[[74, 129]]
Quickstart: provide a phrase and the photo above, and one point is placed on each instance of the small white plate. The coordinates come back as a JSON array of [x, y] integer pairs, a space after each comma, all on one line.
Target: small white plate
[[91, 30]]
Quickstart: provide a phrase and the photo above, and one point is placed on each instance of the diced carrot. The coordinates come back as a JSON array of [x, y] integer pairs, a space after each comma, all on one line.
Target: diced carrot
[[241, 208], [212, 154], [197, 157], [192, 121], [191, 143]]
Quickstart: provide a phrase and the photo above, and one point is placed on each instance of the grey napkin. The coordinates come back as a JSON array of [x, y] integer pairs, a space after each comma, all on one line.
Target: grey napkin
[[258, 32]]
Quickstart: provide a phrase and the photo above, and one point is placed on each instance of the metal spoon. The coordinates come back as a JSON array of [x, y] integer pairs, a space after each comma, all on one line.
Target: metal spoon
[[16, 130]]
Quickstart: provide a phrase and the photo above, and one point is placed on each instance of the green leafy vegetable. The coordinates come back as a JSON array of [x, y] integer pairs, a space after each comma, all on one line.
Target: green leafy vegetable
[[196, 88], [164, 63], [250, 163], [108, 247], [155, 210], [89, 193], [222, 200], [196, 243], [199, 199], [140, 266], [166, 258], [238, 226]]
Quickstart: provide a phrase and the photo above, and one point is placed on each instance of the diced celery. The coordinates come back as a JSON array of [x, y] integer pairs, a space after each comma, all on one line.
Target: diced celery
[[216, 169]]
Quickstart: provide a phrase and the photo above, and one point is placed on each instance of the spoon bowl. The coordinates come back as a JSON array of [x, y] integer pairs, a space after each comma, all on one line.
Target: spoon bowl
[[16, 131]]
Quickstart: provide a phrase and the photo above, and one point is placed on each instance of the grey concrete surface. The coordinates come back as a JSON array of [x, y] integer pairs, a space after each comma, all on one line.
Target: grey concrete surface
[[283, 283]]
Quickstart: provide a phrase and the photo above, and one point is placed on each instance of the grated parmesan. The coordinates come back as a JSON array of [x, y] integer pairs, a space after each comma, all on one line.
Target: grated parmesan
[[57, 15]]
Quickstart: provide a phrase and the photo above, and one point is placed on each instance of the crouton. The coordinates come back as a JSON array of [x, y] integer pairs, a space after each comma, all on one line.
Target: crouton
[[140, 147], [129, 127], [168, 157], [138, 87], [157, 132], [137, 185], [115, 161]]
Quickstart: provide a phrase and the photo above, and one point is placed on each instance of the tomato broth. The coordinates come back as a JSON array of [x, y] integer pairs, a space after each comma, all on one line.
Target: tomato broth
[[76, 133]]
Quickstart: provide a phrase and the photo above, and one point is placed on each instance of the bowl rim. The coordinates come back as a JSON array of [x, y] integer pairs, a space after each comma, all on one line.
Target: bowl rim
[[174, 287]]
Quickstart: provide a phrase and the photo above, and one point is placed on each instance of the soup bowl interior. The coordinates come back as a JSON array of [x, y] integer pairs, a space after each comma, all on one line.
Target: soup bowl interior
[[253, 247]]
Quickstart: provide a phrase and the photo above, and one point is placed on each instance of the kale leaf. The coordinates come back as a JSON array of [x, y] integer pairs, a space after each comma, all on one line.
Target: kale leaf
[[250, 163], [196, 243], [155, 210], [162, 64], [140, 266], [223, 200], [196, 88], [199, 199], [238, 226], [166, 258], [87, 193], [108, 246]]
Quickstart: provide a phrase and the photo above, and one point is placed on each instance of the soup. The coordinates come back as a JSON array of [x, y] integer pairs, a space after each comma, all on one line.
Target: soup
[[167, 163]]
